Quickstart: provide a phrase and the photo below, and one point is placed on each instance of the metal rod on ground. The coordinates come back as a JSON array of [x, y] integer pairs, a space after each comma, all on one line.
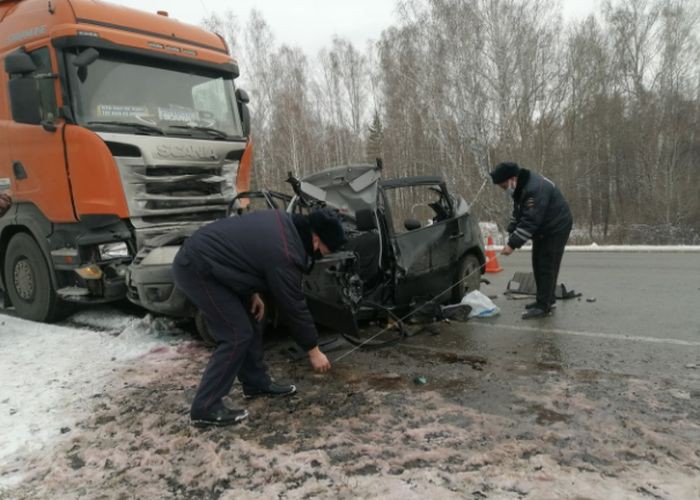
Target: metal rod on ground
[[478, 269]]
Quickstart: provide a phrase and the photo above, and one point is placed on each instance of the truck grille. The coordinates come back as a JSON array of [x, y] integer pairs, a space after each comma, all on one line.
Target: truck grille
[[175, 183]]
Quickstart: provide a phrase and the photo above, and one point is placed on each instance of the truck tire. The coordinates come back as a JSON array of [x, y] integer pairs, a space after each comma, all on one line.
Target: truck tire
[[469, 266], [28, 280]]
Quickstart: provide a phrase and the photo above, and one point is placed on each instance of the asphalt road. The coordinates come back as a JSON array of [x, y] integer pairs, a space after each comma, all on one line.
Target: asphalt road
[[646, 315]]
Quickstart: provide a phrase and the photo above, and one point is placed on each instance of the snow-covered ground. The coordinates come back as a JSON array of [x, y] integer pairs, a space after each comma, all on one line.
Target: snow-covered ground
[[593, 247], [49, 373]]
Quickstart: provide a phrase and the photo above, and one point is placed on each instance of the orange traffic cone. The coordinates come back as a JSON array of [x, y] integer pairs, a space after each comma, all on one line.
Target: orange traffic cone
[[492, 265]]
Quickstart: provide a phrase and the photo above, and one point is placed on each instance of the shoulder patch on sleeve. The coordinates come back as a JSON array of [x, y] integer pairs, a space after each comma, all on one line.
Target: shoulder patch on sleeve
[[530, 202]]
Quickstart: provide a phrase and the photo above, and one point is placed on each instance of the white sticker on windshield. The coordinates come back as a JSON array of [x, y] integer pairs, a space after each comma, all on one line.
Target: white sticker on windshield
[[178, 115], [116, 111]]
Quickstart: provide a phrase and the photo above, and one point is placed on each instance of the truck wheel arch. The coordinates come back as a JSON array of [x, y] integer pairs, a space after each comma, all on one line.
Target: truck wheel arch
[[23, 223]]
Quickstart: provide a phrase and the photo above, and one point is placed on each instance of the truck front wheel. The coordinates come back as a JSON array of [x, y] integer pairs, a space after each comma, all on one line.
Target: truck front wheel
[[28, 281]]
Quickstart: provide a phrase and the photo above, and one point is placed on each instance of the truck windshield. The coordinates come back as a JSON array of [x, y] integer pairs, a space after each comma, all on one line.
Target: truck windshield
[[149, 97]]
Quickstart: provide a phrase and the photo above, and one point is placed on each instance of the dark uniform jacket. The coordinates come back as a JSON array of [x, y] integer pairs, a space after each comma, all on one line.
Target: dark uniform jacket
[[258, 252], [539, 210]]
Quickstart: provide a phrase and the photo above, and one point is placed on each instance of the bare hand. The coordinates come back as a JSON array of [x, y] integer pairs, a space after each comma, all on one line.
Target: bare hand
[[319, 361], [507, 250], [257, 307]]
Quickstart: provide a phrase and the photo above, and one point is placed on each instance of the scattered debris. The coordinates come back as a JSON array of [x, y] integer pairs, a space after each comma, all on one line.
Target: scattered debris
[[523, 285], [679, 394], [420, 380], [691, 366], [481, 306], [591, 299], [456, 312]]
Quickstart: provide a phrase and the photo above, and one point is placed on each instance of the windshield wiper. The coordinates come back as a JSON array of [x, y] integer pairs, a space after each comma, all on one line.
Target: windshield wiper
[[140, 126], [209, 130]]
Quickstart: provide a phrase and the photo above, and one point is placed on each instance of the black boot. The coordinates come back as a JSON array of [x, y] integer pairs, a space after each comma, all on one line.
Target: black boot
[[272, 390], [536, 312], [536, 304], [220, 417]]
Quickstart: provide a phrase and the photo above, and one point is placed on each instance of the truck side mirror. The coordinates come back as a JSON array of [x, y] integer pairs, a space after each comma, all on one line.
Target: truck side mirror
[[22, 87], [19, 63], [242, 100], [242, 96]]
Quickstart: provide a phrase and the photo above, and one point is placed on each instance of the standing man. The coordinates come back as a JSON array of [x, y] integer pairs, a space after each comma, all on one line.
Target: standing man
[[540, 213], [5, 203], [223, 268]]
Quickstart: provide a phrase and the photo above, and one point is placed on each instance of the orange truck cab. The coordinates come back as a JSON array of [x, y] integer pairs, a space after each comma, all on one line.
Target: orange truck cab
[[116, 127]]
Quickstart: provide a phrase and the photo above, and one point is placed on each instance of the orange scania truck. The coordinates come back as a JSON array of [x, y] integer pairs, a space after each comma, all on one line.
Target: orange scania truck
[[116, 127]]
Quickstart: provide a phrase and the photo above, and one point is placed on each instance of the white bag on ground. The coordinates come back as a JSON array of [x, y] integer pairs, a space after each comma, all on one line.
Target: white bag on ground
[[482, 306]]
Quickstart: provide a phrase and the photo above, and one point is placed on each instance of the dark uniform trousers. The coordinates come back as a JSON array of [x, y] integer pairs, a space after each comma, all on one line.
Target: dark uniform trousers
[[239, 349], [547, 254]]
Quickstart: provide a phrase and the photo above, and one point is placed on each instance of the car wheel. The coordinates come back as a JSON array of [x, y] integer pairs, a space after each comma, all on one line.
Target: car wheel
[[203, 330], [28, 281], [468, 277]]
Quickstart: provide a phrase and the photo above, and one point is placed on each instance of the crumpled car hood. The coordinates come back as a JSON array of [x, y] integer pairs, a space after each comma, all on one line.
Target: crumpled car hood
[[347, 188]]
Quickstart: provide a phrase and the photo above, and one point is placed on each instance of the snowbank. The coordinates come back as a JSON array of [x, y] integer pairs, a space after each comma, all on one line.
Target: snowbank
[[48, 373], [622, 248]]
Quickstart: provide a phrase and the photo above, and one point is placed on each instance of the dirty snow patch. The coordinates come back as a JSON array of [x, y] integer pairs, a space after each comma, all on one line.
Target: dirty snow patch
[[48, 373]]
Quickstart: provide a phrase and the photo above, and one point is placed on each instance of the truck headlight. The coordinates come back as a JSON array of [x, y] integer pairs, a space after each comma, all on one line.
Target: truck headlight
[[109, 251]]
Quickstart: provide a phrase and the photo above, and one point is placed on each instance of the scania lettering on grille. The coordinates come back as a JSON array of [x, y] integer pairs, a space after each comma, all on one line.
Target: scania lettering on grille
[[189, 152]]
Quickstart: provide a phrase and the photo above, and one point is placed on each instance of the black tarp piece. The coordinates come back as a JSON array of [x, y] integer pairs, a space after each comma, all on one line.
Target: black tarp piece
[[523, 285]]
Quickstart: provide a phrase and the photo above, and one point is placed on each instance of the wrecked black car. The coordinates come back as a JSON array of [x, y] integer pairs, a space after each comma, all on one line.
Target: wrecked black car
[[410, 241]]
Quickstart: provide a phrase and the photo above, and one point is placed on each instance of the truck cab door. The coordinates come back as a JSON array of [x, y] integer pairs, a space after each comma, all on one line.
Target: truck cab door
[[36, 162]]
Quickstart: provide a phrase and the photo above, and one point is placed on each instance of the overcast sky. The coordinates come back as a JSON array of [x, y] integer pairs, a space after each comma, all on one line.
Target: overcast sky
[[310, 24]]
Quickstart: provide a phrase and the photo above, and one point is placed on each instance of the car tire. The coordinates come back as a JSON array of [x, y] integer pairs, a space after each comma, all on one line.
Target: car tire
[[469, 266], [28, 281], [200, 325]]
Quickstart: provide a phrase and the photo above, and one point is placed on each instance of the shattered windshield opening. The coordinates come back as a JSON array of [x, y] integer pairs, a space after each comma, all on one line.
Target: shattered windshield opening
[[144, 93]]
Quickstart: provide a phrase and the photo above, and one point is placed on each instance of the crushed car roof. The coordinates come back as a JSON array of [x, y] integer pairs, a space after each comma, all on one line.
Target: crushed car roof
[[348, 188]]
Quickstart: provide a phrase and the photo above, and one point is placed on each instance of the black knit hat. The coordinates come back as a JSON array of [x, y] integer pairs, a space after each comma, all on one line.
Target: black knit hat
[[504, 171], [327, 226]]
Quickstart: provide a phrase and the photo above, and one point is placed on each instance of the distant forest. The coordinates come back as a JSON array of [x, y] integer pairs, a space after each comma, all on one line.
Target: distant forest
[[608, 107]]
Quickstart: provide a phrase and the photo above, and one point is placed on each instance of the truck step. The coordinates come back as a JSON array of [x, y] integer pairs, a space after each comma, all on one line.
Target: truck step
[[71, 292]]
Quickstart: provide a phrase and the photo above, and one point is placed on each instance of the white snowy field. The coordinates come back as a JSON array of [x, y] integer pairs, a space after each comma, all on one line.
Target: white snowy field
[[619, 248], [48, 373]]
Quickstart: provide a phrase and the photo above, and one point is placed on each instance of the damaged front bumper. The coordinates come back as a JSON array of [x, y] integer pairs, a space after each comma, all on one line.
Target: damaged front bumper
[[150, 281]]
